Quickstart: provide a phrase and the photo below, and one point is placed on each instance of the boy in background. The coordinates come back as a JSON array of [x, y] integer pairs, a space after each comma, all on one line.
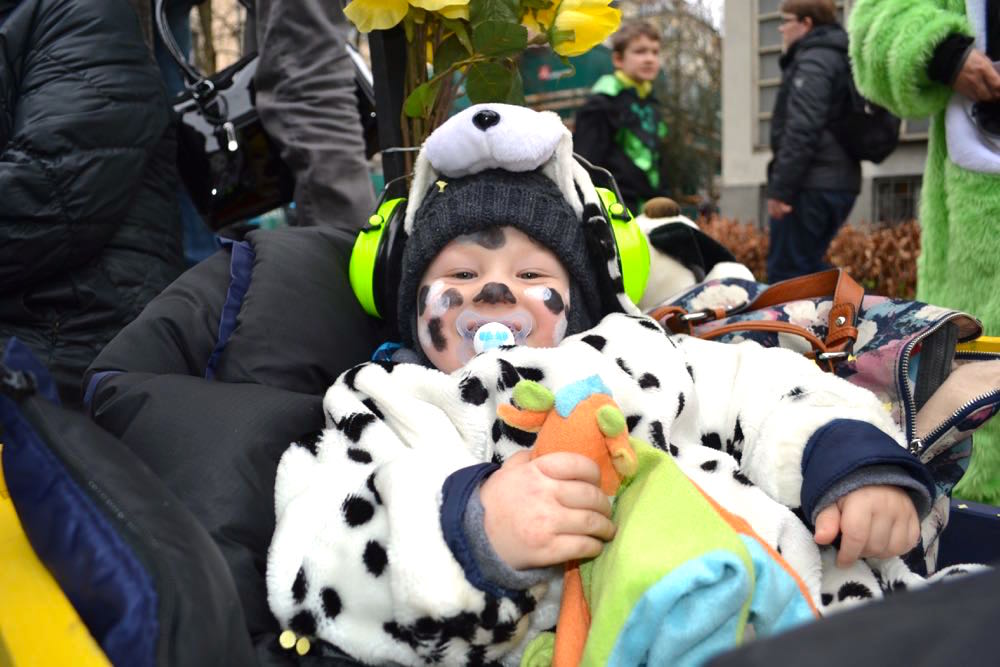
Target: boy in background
[[619, 128]]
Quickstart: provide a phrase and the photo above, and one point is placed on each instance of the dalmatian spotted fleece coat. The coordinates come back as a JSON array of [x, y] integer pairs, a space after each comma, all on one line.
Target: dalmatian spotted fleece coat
[[359, 558]]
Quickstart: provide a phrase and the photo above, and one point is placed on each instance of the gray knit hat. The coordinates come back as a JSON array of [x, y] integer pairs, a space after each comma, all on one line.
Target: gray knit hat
[[528, 201]]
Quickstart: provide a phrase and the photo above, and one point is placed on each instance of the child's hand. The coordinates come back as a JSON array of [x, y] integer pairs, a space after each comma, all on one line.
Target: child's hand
[[878, 521], [546, 511]]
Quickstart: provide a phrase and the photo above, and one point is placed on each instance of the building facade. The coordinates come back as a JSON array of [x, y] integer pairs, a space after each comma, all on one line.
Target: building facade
[[890, 191]]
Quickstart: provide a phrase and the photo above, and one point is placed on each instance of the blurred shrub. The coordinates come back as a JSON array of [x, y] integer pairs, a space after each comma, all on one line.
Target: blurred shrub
[[881, 258]]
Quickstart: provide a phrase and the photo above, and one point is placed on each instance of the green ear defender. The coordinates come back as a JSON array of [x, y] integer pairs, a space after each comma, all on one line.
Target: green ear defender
[[376, 258], [633, 247]]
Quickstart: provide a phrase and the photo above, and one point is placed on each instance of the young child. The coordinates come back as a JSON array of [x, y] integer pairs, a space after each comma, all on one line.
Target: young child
[[415, 528], [619, 128]]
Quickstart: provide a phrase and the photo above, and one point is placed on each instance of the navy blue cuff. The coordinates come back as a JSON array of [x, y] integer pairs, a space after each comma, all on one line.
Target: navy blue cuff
[[455, 494], [844, 446]]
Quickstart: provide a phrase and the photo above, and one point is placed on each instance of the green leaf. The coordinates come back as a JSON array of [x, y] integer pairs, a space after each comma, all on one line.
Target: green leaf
[[493, 10], [447, 53], [420, 101], [458, 27], [536, 4], [488, 82], [515, 95], [499, 38]]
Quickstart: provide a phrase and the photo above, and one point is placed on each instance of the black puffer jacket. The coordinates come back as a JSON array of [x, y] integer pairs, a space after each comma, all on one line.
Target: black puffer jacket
[[813, 93], [89, 229]]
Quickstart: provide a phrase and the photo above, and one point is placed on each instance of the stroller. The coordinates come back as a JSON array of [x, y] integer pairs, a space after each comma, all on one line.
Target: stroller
[[144, 542]]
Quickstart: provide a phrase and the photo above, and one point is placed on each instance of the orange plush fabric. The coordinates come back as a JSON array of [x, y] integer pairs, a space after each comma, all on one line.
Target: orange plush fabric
[[595, 428]]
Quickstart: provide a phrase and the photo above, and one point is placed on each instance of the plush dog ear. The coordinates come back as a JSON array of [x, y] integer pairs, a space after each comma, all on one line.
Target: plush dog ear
[[424, 175], [564, 171]]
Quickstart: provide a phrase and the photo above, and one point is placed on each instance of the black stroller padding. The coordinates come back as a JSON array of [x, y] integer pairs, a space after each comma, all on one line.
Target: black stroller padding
[[289, 325], [141, 571], [949, 623]]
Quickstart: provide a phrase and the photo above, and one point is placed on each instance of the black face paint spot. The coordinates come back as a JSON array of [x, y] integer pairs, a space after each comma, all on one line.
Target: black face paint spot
[[495, 293], [554, 302], [490, 238], [434, 327], [422, 299], [451, 299]]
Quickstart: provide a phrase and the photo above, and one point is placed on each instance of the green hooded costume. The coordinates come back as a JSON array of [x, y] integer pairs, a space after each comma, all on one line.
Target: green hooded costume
[[892, 44]]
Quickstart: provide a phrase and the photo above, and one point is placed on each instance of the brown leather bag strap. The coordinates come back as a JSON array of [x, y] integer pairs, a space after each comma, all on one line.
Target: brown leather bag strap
[[820, 351], [835, 283]]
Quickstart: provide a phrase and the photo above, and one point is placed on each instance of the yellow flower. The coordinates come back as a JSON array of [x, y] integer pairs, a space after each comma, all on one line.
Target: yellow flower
[[442, 5], [539, 20], [368, 15], [580, 25], [455, 11]]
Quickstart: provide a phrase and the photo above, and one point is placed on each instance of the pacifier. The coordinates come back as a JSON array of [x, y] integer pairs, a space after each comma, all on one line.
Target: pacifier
[[483, 332]]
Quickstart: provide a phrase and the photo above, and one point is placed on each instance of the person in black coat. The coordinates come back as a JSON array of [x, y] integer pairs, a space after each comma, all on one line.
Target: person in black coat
[[812, 181], [89, 229]]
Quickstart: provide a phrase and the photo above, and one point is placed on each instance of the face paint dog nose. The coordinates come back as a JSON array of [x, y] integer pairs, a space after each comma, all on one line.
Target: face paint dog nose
[[485, 119], [495, 293]]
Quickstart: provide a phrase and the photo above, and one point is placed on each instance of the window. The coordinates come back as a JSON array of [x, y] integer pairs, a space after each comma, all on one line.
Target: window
[[915, 128], [897, 199], [767, 73]]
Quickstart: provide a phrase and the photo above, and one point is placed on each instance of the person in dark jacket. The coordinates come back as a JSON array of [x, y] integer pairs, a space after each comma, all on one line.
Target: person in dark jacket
[[619, 127], [89, 229], [812, 181]]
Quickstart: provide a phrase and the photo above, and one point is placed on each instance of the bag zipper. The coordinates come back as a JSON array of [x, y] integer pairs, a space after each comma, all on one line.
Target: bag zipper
[[909, 404], [927, 442], [918, 446]]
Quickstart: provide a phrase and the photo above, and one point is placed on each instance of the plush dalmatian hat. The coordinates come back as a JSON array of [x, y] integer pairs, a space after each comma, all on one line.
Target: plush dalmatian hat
[[502, 165]]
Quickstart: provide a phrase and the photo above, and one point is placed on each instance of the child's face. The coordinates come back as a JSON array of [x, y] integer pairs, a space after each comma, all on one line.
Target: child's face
[[641, 59], [497, 275]]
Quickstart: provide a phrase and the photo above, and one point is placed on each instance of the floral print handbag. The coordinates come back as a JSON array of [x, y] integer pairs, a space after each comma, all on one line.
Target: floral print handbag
[[906, 352]]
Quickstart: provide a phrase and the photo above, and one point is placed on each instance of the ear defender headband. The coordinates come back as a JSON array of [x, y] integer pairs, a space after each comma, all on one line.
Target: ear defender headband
[[378, 252], [517, 139]]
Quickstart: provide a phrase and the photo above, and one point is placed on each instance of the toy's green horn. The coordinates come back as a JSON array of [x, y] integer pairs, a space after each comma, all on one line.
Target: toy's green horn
[[529, 395], [610, 420]]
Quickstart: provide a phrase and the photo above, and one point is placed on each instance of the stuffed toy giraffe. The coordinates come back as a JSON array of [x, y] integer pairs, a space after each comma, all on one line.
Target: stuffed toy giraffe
[[582, 418]]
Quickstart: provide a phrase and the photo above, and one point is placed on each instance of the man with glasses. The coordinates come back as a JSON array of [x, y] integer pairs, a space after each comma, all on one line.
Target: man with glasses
[[812, 180], [939, 58]]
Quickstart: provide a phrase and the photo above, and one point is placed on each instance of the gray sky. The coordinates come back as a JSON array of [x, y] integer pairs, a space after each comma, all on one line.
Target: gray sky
[[716, 8]]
